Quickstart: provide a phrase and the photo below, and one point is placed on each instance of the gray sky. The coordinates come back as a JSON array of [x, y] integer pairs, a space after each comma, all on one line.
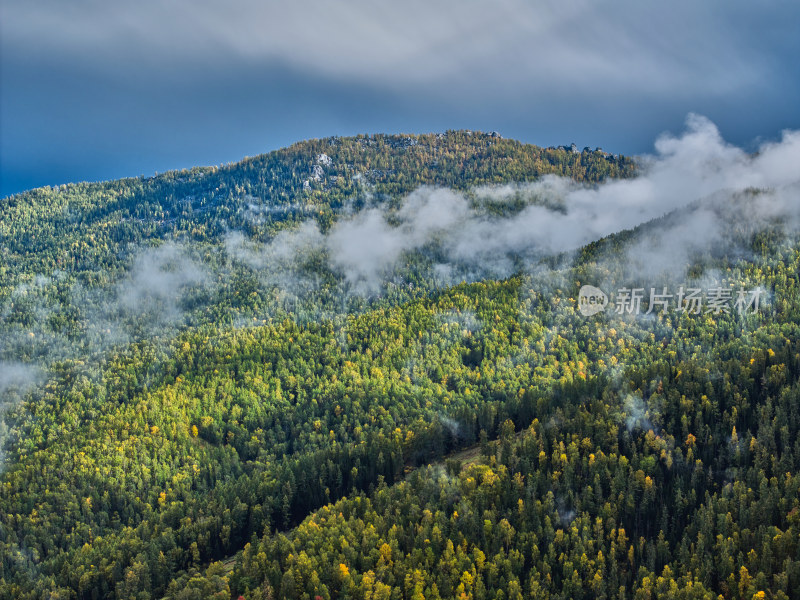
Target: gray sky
[[94, 90]]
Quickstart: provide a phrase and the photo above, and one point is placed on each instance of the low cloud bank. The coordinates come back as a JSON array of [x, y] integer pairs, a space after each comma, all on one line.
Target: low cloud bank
[[704, 182]]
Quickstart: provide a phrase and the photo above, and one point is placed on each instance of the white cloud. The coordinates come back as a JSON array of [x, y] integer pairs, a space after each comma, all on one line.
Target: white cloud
[[368, 247], [19, 377], [512, 44]]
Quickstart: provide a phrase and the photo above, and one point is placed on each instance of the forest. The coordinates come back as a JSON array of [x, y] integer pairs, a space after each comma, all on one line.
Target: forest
[[208, 395]]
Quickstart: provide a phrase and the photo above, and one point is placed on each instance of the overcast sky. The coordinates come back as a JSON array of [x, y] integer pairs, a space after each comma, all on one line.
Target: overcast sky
[[99, 89]]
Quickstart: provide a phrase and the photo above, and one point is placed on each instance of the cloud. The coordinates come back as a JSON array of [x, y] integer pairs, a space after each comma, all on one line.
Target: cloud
[[367, 249], [637, 415], [414, 42], [155, 297], [702, 182], [149, 301], [157, 280], [281, 264], [150, 85], [18, 377]]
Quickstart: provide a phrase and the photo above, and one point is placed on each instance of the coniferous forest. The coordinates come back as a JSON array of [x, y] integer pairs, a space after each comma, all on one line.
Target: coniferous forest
[[340, 370]]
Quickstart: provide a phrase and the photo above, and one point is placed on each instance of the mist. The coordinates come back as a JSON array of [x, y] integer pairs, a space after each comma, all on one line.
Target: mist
[[16, 380], [149, 300], [700, 183], [685, 198], [637, 415], [161, 288]]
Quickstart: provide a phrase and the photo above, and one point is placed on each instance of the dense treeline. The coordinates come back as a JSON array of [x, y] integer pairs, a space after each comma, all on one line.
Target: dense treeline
[[585, 509], [65, 252], [88, 229], [287, 456], [698, 497], [120, 484]]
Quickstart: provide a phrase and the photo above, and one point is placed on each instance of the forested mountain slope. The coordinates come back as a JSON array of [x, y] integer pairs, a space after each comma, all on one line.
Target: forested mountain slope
[[286, 430], [87, 228], [71, 255]]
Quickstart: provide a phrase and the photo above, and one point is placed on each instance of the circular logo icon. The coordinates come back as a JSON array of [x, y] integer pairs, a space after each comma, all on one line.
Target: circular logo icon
[[591, 300]]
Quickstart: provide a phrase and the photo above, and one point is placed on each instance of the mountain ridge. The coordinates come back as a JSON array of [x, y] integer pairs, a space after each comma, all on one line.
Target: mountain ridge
[[213, 387]]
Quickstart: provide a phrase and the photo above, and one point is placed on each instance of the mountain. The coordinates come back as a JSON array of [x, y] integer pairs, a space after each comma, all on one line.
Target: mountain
[[359, 368]]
